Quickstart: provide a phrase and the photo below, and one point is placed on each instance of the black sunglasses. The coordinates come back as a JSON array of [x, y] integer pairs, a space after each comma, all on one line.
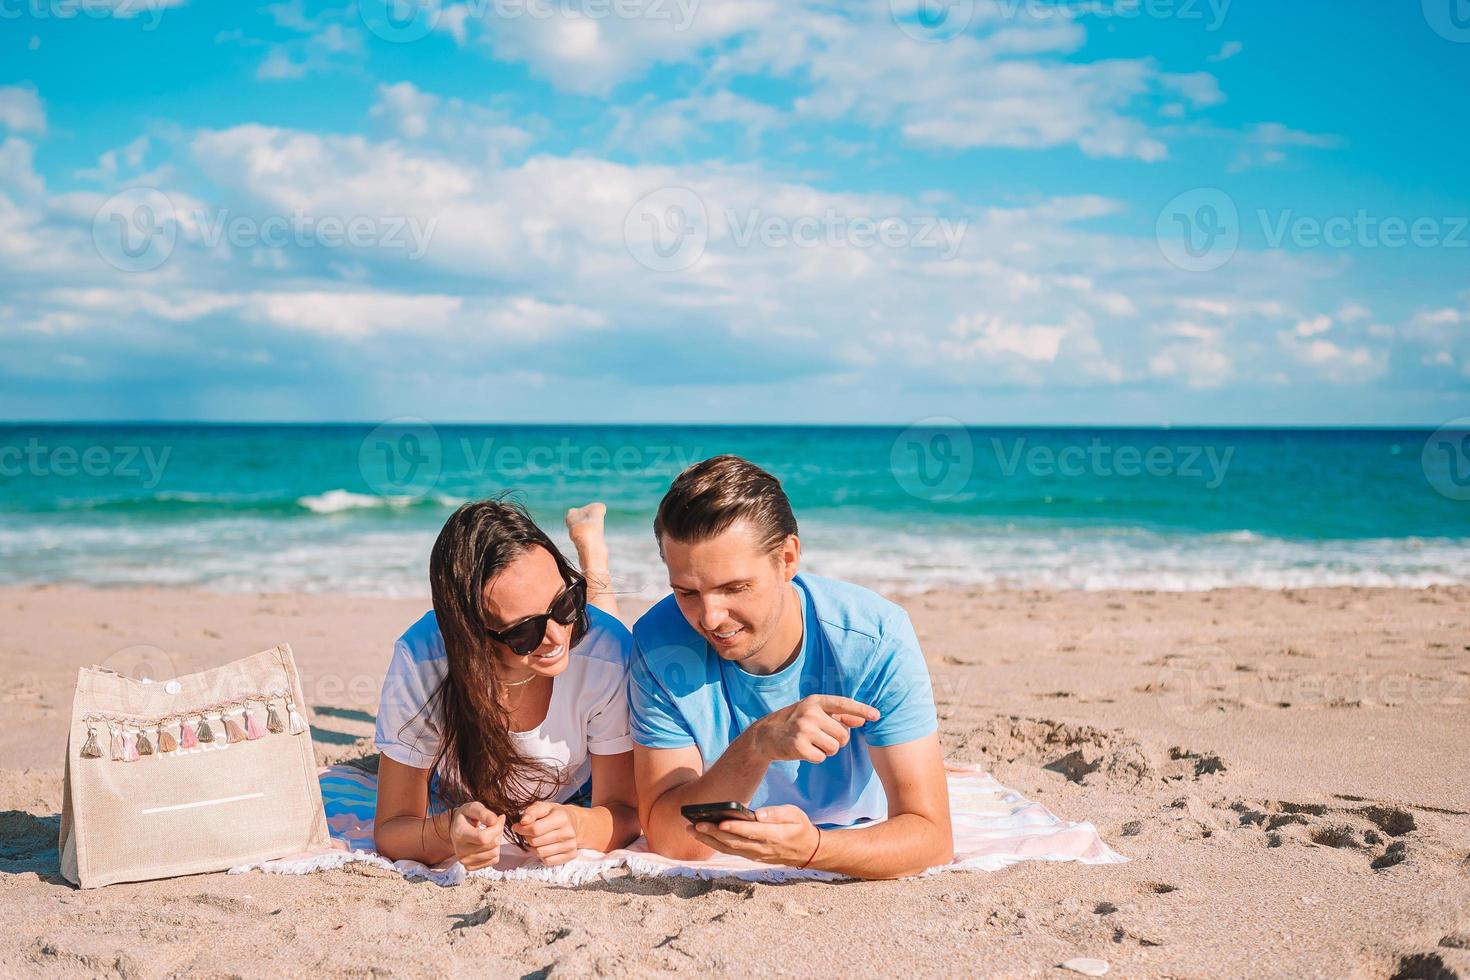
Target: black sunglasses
[[567, 608]]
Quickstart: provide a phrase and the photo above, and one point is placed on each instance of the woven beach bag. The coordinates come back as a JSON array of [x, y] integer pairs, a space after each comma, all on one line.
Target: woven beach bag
[[184, 776]]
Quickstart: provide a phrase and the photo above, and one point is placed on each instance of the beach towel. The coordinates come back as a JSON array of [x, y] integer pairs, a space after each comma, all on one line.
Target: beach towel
[[994, 827]]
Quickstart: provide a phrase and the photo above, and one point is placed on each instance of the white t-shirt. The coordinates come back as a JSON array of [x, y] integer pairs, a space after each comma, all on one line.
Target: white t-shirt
[[588, 714]]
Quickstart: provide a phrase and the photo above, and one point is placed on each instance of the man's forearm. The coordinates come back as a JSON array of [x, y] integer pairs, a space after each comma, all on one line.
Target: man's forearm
[[901, 845], [735, 775]]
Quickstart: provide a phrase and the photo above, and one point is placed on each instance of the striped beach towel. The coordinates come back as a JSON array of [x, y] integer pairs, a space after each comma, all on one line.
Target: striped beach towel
[[994, 827]]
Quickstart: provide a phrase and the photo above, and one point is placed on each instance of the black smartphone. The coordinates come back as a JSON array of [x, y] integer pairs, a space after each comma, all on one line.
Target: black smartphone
[[715, 812]]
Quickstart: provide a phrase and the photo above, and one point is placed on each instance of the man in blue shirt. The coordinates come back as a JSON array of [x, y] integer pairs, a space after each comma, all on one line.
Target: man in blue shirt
[[807, 697]]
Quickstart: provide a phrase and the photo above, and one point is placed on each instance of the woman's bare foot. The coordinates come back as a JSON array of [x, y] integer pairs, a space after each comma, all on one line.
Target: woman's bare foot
[[585, 527]]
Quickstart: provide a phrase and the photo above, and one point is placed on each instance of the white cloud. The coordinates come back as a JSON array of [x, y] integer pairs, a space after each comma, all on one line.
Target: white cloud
[[654, 124], [1333, 362], [1009, 83], [1200, 366], [1034, 295], [452, 124], [21, 110], [971, 92], [578, 52], [1227, 51], [1313, 326], [1264, 144], [989, 337]]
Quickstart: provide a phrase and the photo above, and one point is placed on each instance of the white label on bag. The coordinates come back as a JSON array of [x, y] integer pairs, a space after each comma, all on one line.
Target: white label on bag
[[188, 806]]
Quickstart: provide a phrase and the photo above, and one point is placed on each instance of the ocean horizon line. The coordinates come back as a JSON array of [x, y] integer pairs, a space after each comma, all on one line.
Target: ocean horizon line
[[927, 423]]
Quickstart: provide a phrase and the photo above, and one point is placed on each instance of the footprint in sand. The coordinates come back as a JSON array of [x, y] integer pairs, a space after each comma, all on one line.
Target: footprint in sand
[[1333, 827]]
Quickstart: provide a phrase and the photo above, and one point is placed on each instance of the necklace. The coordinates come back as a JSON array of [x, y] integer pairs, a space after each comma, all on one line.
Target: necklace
[[519, 683]]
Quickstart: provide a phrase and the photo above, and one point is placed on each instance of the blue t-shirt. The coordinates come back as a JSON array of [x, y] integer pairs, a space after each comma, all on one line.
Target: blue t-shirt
[[855, 644]]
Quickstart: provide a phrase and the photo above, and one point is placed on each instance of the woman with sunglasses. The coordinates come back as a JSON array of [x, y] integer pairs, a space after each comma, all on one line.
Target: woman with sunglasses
[[504, 711]]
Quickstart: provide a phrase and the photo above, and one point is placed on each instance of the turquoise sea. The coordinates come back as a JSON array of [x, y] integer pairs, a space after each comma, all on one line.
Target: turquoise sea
[[355, 508]]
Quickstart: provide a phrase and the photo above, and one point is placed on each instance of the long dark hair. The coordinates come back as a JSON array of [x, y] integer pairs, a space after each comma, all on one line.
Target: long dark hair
[[478, 757]]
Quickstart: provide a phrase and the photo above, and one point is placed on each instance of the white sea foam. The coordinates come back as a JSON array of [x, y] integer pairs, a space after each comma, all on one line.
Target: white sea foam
[[339, 500], [243, 553]]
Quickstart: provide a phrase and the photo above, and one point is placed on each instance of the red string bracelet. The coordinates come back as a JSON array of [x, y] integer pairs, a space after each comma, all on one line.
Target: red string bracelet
[[814, 850]]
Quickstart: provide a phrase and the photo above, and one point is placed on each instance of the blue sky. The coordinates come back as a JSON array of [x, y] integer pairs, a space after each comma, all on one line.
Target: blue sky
[[1022, 211]]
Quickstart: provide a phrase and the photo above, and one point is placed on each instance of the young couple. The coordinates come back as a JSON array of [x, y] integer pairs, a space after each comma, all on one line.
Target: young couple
[[524, 704]]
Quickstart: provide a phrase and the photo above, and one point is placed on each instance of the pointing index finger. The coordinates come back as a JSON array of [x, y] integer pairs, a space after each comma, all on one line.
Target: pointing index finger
[[838, 706]]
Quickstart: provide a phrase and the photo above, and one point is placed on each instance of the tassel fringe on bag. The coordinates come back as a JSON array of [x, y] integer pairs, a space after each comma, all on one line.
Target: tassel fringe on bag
[[90, 750], [253, 730], [130, 738]]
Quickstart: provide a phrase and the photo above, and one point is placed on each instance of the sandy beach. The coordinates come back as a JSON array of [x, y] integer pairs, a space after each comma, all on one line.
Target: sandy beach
[[1287, 772]]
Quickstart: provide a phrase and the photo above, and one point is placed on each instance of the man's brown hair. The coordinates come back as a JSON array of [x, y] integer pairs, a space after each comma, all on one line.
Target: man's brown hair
[[708, 498]]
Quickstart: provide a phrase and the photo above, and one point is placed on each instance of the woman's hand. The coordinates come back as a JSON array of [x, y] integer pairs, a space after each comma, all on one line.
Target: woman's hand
[[778, 835], [550, 831], [476, 832]]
